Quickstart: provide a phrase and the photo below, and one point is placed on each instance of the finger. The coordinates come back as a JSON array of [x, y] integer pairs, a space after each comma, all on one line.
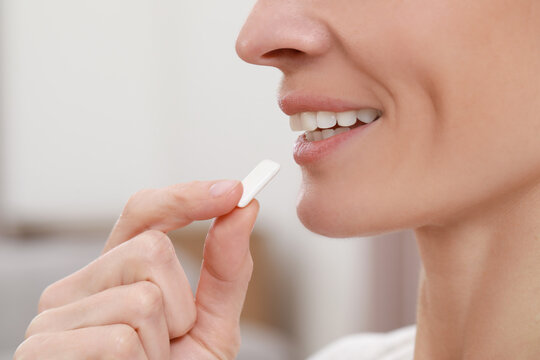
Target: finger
[[224, 279], [173, 207], [103, 342], [138, 305], [147, 257]]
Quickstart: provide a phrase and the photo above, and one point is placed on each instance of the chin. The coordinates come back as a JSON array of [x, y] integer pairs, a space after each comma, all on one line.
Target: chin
[[337, 209], [339, 219], [316, 222]]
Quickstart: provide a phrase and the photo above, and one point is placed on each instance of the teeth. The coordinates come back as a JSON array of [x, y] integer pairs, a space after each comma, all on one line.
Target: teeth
[[367, 115], [317, 135], [296, 123], [328, 133], [326, 120], [322, 125], [309, 121], [347, 118], [342, 130]]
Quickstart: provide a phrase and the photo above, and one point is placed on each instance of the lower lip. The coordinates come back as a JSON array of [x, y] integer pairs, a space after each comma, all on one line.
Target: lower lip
[[307, 152]]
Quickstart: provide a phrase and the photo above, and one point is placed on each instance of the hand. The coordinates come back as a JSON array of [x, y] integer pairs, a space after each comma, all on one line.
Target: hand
[[134, 301]]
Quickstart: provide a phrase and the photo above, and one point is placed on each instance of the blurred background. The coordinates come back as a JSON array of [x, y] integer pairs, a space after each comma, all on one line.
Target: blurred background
[[101, 98]]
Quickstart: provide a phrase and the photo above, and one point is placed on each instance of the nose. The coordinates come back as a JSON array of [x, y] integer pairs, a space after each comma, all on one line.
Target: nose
[[280, 33]]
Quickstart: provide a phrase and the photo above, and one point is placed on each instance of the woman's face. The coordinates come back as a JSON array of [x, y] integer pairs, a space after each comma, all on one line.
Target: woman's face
[[458, 84]]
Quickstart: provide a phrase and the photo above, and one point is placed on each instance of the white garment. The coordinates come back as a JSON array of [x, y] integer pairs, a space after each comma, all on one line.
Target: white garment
[[394, 345]]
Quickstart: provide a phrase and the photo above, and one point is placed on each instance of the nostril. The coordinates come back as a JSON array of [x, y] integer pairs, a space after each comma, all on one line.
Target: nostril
[[280, 53]]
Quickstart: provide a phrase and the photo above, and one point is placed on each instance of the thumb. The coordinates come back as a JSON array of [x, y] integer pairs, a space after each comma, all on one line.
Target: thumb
[[225, 275]]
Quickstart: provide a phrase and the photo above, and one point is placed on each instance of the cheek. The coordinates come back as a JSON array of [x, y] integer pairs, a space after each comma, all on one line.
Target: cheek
[[459, 134], [425, 172], [412, 181]]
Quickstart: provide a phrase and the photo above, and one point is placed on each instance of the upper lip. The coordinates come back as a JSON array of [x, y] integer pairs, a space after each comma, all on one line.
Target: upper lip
[[294, 103]]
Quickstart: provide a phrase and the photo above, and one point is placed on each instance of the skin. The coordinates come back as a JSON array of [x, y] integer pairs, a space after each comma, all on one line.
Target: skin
[[134, 301], [455, 156]]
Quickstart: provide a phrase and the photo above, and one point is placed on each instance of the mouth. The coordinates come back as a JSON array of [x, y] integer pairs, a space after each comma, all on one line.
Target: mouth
[[328, 124], [322, 125]]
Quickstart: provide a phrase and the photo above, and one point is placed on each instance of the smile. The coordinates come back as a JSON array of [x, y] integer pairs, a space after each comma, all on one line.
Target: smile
[[322, 125]]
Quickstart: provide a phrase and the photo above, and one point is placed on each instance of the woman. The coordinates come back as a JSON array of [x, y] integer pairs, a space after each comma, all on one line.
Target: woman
[[454, 155]]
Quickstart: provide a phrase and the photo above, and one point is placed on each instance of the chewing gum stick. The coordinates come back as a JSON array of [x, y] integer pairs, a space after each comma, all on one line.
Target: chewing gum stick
[[257, 179]]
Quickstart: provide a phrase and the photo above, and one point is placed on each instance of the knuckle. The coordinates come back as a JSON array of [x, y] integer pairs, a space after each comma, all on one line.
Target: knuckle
[[181, 194], [48, 298], [188, 321], [20, 353], [36, 325], [191, 318], [181, 191], [29, 349], [149, 299], [157, 247], [125, 342], [134, 202]]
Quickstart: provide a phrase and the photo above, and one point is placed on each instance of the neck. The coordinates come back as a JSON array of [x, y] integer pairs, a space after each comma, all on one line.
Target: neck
[[479, 294]]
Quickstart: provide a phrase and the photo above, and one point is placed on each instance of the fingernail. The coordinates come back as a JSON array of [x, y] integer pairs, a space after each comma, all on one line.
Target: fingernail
[[222, 187]]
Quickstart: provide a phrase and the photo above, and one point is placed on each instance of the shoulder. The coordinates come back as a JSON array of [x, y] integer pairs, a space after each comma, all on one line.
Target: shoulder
[[394, 345]]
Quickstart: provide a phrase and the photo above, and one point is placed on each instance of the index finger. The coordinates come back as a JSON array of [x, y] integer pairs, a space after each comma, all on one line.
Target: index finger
[[173, 207]]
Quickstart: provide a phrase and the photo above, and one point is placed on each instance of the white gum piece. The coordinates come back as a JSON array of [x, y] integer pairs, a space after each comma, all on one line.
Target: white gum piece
[[257, 179]]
